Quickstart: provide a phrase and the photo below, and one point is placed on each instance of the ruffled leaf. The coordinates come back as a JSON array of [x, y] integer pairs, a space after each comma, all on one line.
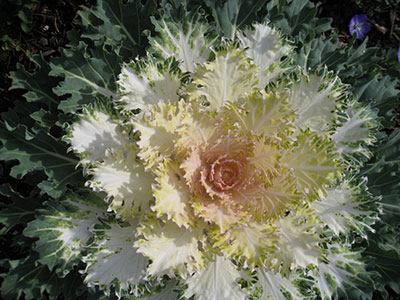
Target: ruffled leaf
[[218, 213], [63, 230], [217, 281], [339, 209], [227, 78], [183, 35], [264, 113], [113, 261], [172, 195], [124, 179], [153, 83], [298, 242], [171, 247], [200, 128], [313, 162], [314, 99], [342, 270], [274, 285], [158, 132], [357, 132], [95, 134], [251, 242], [278, 196], [266, 48]]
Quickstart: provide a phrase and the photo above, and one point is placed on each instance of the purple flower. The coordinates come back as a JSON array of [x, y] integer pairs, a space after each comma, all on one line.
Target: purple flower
[[359, 25], [398, 54]]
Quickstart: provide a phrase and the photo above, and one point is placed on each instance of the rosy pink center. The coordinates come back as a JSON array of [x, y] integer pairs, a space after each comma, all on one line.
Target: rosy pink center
[[225, 173]]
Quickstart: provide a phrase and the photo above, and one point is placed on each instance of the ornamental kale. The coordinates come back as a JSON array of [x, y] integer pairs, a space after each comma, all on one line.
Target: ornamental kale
[[221, 158]]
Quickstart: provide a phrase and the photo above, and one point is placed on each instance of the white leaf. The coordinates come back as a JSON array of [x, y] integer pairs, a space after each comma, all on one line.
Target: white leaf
[[265, 47], [335, 269], [314, 102], [273, 284], [148, 87], [339, 208], [158, 131], [125, 180], [356, 129], [227, 78], [218, 281], [170, 247], [298, 245], [172, 195], [114, 260], [63, 229], [185, 40], [94, 135], [314, 163]]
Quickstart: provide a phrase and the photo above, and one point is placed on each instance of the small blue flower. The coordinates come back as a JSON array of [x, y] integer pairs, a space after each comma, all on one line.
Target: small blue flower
[[398, 54], [359, 25]]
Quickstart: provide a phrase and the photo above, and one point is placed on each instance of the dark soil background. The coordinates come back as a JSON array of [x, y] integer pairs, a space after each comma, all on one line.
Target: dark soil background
[[48, 21]]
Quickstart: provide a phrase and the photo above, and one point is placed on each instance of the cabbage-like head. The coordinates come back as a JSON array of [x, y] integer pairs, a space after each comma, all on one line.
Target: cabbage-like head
[[229, 161]]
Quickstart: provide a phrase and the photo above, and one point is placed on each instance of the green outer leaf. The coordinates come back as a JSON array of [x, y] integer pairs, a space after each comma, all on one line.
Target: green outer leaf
[[301, 12], [324, 51], [19, 114], [44, 119], [32, 279], [383, 177], [386, 184], [382, 92], [184, 35], [40, 151], [63, 230], [383, 180], [113, 263], [21, 211], [298, 19], [387, 262], [87, 76], [359, 59], [234, 14], [390, 150], [119, 24], [39, 85]]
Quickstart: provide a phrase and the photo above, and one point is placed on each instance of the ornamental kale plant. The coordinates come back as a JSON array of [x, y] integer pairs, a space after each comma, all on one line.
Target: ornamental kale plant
[[204, 150]]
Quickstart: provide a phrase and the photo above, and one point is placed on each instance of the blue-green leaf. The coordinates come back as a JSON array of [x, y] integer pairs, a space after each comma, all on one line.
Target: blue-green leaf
[[298, 19], [63, 230], [381, 92], [39, 85], [20, 211], [87, 76], [119, 24], [234, 14], [40, 152], [29, 278]]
